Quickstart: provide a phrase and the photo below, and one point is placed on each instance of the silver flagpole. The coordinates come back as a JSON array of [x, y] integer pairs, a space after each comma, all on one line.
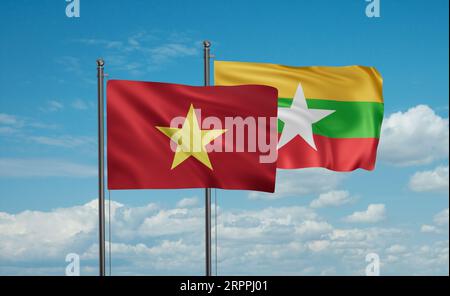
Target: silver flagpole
[[101, 167], [206, 58]]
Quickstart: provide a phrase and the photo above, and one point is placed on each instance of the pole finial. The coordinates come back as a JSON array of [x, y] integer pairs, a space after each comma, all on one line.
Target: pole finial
[[206, 44], [100, 62]]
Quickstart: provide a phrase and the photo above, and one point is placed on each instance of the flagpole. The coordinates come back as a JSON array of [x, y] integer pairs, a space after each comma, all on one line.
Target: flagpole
[[206, 59], [101, 164]]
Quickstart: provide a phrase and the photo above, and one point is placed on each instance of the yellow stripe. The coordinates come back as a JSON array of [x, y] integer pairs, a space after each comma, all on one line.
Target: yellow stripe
[[350, 83]]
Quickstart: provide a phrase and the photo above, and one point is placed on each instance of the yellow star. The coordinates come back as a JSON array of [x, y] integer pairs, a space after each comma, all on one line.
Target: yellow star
[[191, 140]]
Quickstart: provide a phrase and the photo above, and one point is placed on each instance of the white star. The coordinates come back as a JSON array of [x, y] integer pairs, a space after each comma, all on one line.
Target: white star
[[298, 119]]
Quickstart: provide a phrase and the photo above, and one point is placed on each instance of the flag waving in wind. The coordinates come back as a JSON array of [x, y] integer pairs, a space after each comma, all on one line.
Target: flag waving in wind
[[165, 136], [328, 116]]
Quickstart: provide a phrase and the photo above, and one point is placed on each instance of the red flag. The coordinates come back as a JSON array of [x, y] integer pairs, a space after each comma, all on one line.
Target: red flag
[[163, 136]]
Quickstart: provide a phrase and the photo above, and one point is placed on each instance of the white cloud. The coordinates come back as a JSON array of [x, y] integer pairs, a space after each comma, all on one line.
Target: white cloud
[[429, 229], [415, 137], [101, 42], [70, 64], [13, 125], [33, 234], [268, 225], [171, 222], [44, 167], [80, 104], [76, 67], [440, 221], [25, 129], [312, 228], [374, 213], [10, 124], [429, 256], [430, 181], [332, 199], [8, 119], [165, 258], [142, 52], [395, 249], [292, 183], [188, 202], [441, 218], [52, 106], [65, 141], [154, 240], [319, 245], [163, 53]]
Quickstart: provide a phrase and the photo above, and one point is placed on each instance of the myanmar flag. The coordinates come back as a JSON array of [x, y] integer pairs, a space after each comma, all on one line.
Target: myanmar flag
[[328, 116], [167, 136]]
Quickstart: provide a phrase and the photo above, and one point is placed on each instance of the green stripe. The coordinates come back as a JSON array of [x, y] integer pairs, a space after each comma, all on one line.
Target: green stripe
[[284, 103], [351, 119]]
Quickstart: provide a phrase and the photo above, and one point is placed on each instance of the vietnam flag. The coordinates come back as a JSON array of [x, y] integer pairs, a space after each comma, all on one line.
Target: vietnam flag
[[328, 116], [165, 136]]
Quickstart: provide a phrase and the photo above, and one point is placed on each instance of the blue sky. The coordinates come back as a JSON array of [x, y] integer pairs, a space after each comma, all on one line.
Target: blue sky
[[48, 137]]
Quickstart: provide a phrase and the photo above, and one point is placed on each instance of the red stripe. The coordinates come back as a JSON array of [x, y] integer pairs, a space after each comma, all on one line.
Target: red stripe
[[334, 154]]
